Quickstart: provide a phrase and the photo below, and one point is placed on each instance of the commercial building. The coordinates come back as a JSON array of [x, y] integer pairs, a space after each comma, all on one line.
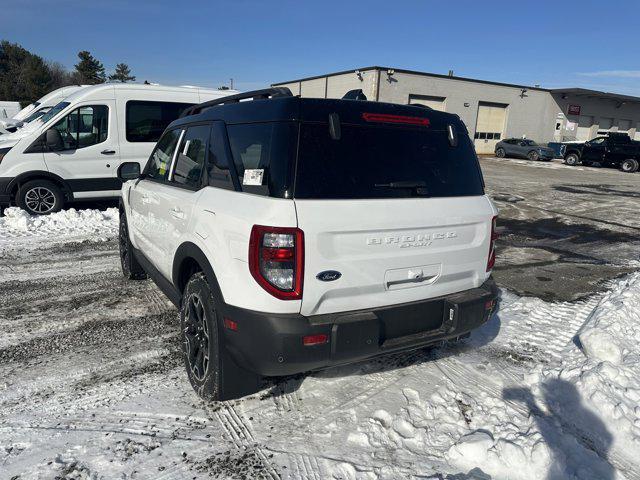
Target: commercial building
[[491, 110]]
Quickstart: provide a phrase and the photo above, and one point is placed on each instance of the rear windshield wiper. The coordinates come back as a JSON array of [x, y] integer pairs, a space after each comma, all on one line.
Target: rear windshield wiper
[[418, 187]]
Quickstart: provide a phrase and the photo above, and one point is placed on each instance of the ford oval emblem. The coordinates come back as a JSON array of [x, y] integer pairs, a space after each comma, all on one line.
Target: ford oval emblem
[[328, 276]]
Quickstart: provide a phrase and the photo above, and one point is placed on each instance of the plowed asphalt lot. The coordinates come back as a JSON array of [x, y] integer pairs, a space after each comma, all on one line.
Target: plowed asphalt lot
[[92, 383]]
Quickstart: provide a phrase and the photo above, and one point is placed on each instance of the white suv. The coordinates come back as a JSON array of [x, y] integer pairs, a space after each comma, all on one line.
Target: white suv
[[294, 234]]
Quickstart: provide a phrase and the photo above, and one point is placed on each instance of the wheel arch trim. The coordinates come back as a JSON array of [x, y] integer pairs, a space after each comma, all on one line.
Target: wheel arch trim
[[35, 175], [189, 250]]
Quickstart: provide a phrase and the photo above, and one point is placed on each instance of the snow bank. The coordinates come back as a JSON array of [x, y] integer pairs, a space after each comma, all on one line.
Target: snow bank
[[65, 225], [583, 410]]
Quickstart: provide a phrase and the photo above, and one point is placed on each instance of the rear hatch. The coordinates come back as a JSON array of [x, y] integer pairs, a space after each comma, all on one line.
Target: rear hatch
[[391, 198]]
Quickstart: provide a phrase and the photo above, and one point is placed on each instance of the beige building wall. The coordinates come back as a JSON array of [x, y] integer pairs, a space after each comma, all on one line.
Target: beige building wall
[[604, 113], [527, 114], [335, 86], [530, 112]]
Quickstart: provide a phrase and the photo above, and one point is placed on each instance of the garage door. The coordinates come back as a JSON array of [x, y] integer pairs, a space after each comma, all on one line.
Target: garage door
[[584, 128], [437, 103], [489, 126], [624, 125], [605, 124]]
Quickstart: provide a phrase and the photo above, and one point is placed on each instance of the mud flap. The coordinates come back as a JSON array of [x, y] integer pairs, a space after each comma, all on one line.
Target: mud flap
[[235, 381]]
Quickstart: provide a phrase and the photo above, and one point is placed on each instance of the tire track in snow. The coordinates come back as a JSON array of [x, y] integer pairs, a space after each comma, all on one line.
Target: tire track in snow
[[239, 431], [542, 322]]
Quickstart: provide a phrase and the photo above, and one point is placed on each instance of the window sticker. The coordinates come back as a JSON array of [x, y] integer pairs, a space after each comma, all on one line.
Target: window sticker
[[253, 176]]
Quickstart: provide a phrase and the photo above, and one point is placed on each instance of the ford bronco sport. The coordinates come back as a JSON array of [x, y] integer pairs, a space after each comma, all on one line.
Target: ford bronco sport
[[294, 234]]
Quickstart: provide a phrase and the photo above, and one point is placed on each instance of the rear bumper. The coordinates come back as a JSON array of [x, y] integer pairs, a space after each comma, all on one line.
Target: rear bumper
[[271, 344]]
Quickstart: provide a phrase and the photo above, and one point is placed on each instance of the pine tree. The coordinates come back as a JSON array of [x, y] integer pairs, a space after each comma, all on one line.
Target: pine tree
[[23, 76], [122, 74], [89, 70]]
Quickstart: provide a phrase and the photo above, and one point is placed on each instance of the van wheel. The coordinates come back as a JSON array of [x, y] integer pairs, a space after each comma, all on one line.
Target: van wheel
[[572, 159], [630, 165], [40, 197], [533, 156], [131, 269], [212, 372], [500, 153]]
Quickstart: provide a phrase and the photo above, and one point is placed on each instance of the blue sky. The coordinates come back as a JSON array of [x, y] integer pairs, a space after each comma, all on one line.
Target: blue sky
[[554, 44]]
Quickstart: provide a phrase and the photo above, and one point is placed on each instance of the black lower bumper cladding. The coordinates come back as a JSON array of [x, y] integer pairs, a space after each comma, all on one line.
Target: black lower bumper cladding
[[272, 344]]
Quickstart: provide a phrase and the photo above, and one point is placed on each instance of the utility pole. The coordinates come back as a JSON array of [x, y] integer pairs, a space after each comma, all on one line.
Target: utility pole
[[232, 84]]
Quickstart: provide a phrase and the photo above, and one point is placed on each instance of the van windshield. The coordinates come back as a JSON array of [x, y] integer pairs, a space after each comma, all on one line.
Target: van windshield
[[37, 114], [384, 162], [54, 111]]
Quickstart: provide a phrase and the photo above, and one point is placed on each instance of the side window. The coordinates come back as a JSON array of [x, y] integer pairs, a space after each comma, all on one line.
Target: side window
[[218, 163], [145, 121], [160, 161], [84, 126], [191, 156]]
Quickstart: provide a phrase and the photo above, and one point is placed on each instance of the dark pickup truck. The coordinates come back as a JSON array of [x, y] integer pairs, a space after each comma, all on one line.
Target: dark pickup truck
[[614, 150]]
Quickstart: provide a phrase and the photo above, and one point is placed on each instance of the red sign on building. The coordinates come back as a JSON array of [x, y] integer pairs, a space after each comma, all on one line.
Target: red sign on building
[[573, 109]]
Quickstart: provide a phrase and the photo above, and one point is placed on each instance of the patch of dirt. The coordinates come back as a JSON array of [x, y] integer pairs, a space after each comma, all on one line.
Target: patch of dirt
[[234, 465]]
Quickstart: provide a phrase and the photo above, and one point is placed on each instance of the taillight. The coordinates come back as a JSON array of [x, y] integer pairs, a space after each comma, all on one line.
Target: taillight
[[492, 245], [276, 260]]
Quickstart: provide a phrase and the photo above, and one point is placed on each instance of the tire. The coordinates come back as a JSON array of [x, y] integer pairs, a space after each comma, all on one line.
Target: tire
[[630, 165], [500, 153], [212, 372], [533, 156], [572, 159], [40, 197], [131, 269]]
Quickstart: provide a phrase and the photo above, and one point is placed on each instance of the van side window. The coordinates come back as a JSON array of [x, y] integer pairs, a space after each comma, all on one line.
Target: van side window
[[84, 126], [158, 166], [145, 121], [218, 163], [191, 155]]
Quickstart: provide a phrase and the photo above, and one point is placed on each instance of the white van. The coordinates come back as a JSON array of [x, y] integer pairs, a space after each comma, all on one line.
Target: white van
[[79, 144], [35, 110]]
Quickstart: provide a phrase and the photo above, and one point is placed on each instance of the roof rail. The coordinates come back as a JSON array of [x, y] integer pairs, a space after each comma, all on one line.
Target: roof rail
[[265, 93]]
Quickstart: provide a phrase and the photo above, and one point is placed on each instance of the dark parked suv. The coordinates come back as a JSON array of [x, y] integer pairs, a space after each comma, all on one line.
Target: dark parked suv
[[523, 148]]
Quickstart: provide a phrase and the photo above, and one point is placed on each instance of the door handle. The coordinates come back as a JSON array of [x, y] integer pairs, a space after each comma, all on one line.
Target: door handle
[[108, 152]]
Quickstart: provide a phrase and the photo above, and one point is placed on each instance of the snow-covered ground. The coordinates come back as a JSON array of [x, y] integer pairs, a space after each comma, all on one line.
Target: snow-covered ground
[[92, 385]]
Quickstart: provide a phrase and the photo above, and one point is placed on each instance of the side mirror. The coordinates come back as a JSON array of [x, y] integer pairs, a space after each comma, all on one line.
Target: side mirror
[[53, 140], [129, 171]]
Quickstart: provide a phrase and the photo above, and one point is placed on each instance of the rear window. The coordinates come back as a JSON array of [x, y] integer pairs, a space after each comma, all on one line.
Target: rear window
[[384, 162]]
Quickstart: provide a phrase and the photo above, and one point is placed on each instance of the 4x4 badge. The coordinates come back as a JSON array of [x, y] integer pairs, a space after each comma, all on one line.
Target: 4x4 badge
[[328, 276]]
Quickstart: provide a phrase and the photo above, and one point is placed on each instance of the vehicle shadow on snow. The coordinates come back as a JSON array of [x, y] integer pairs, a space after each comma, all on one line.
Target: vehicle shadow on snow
[[480, 337], [566, 422]]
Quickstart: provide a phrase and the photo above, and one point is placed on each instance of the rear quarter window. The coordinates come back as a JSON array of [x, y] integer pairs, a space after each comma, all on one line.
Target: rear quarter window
[[267, 147]]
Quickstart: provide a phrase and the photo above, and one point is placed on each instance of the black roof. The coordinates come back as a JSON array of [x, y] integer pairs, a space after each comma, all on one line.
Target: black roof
[[287, 108]]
